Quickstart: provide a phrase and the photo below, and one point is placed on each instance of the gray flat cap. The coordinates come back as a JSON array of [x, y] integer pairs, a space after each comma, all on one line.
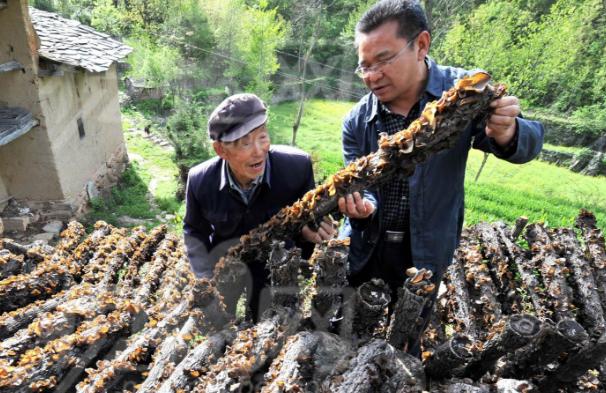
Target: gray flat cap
[[236, 116]]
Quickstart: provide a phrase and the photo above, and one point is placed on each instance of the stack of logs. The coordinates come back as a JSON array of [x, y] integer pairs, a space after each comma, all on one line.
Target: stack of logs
[[119, 310]]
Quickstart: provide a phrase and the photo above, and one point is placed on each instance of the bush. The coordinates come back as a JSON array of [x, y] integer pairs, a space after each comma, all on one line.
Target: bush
[[186, 129]]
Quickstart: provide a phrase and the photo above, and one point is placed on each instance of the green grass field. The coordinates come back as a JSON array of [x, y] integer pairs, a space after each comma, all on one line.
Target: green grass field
[[504, 191]]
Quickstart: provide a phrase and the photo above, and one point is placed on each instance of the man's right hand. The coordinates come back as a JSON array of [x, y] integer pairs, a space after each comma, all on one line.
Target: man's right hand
[[354, 206]]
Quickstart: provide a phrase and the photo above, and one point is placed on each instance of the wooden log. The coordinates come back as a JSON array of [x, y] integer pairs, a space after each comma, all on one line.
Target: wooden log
[[329, 277], [483, 293], [505, 337], [377, 367], [552, 343], [98, 264], [283, 268], [212, 318], [450, 358], [553, 271], [139, 350], [305, 361], [529, 285], [10, 264], [500, 269], [438, 128], [519, 227], [460, 303], [462, 386], [251, 353], [32, 254], [159, 263], [197, 363], [405, 323], [596, 249], [172, 351], [50, 276], [81, 305], [143, 254], [41, 369], [365, 313], [582, 280], [588, 357]]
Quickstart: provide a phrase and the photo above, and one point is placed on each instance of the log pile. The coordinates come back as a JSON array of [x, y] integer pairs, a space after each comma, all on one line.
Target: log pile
[[118, 310]]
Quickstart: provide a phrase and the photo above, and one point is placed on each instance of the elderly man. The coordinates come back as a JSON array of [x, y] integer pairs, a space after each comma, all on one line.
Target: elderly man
[[414, 221], [244, 186]]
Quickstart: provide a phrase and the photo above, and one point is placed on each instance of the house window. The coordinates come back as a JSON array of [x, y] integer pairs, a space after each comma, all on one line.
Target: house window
[[81, 132]]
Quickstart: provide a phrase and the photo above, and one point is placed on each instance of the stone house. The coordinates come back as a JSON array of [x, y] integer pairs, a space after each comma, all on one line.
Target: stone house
[[60, 126]]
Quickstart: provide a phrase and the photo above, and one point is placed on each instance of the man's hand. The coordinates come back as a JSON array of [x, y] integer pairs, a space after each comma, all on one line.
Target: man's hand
[[326, 231], [501, 125], [354, 206]]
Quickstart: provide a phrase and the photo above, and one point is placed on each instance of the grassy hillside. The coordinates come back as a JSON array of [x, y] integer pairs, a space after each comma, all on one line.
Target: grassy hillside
[[504, 191]]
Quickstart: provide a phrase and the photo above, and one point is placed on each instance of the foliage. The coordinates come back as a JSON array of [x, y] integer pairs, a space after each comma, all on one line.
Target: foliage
[[551, 53], [186, 131], [157, 64]]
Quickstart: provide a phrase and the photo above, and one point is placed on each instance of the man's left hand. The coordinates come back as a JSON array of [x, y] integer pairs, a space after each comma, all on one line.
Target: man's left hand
[[327, 230], [501, 125]]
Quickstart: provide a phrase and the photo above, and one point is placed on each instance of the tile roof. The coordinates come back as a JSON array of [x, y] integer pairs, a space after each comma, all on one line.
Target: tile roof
[[70, 42]]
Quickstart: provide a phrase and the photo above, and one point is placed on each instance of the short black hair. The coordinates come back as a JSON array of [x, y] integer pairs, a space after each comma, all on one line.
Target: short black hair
[[409, 14]]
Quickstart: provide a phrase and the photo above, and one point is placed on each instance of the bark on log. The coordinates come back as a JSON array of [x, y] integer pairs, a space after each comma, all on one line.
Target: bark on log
[[483, 293], [41, 369], [197, 363], [365, 313], [329, 263], [170, 353], [450, 358], [242, 366], [405, 324], [110, 373], [83, 304], [283, 268], [438, 128], [131, 278], [305, 362], [530, 286], [51, 276], [551, 343], [519, 227], [10, 264], [596, 249], [461, 309], [377, 367], [507, 336], [160, 261], [500, 269], [553, 271], [589, 356], [583, 283]]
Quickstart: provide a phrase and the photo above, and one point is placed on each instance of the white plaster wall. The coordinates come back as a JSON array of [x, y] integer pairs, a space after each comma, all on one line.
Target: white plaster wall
[[94, 99]]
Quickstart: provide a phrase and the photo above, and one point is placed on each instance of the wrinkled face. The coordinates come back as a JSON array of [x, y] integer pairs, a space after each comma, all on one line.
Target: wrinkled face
[[246, 156], [395, 63]]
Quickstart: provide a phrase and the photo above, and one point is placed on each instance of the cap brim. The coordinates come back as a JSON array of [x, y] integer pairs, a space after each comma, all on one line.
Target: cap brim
[[252, 123]]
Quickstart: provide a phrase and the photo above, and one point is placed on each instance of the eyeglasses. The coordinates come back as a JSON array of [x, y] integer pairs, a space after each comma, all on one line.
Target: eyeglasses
[[363, 71]]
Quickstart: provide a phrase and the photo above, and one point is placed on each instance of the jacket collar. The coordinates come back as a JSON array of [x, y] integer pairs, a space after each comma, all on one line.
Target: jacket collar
[[226, 181], [433, 88]]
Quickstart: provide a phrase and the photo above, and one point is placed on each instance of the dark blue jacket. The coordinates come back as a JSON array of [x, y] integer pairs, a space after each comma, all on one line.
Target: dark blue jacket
[[436, 187], [216, 213]]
